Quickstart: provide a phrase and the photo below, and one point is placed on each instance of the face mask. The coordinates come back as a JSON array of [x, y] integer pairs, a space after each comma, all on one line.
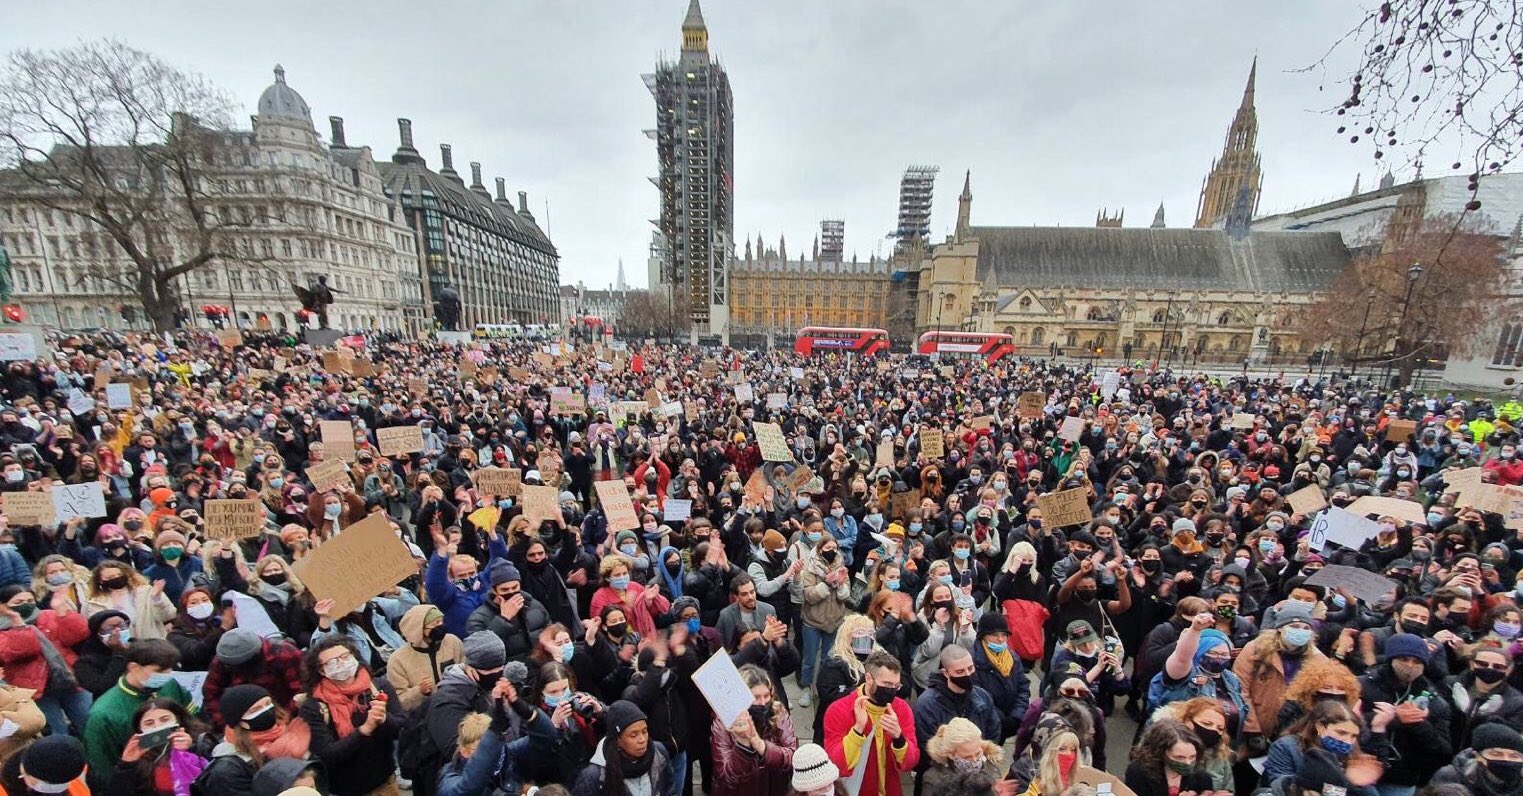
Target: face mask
[[1296, 637], [1227, 612], [883, 695], [1489, 676], [276, 483], [812, 536], [1506, 771], [892, 584], [157, 681], [14, 476], [838, 513], [1178, 767], [1242, 562], [200, 610], [1085, 595], [60, 579], [617, 631], [968, 766], [262, 721], [828, 556], [915, 527], [1415, 628], [1208, 737], [1066, 761], [1151, 565], [113, 584], [341, 670], [1340, 602], [1339, 748], [628, 550], [997, 649], [1212, 665], [1506, 629], [802, 502], [554, 701], [332, 510], [962, 553], [620, 583], [172, 554]]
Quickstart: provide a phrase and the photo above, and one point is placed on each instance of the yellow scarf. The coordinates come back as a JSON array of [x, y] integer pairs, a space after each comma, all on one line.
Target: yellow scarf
[[1002, 661]]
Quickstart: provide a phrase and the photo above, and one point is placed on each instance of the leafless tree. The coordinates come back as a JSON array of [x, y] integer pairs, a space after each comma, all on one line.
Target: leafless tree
[[128, 143], [1434, 75], [648, 313]]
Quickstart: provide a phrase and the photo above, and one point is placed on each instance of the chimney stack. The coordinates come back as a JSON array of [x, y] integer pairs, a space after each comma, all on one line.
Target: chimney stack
[[337, 123], [502, 190], [447, 158], [405, 127], [476, 176], [523, 201]]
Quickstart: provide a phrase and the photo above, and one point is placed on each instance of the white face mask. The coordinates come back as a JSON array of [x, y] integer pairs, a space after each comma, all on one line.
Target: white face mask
[[199, 610]]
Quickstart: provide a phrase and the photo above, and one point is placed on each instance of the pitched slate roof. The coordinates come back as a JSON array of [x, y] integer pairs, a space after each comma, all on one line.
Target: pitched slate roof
[[416, 178], [1187, 259]]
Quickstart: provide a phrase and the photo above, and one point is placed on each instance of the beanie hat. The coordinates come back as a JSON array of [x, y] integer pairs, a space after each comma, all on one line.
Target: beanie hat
[[773, 541], [161, 496], [503, 572], [1318, 770], [239, 646], [812, 769], [1292, 611], [992, 623], [1183, 524], [621, 716], [1492, 735], [565, 497], [54, 760], [1406, 645], [1236, 491], [484, 650], [1210, 639], [895, 530], [168, 537], [625, 536], [99, 619], [237, 700], [685, 602]]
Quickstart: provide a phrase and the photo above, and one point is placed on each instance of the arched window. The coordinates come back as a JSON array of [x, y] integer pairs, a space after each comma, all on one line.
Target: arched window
[[1036, 336], [1102, 340], [1095, 314], [1224, 319], [1010, 330], [1509, 353], [68, 318], [1159, 316], [1236, 343], [1073, 339]]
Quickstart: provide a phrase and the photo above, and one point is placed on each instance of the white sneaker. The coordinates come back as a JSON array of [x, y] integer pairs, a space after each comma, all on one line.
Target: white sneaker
[[804, 700]]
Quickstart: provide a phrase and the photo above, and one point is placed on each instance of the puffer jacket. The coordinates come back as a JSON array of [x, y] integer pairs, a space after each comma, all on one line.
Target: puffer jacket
[[590, 781], [417, 661], [1503, 706], [1466, 771], [456, 696], [520, 634], [937, 705]]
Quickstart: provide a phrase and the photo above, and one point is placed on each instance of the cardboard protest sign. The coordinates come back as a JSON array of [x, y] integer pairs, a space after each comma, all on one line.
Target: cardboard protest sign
[[328, 474], [708, 368], [904, 504], [618, 507], [518, 374], [359, 563], [1361, 583], [338, 438], [932, 444], [28, 508], [981, 422], [1069, 507], [796, 373], [541, 504], [653, 398], [233, 519], [1307, 500], [467, 368], [499, 482], [544, 360], [756, 486], [1071, 429], [334, 362], [229, 338], [885, 454], [567, 401], [623, 409], [801, 475], [777, 400], [1104, 782], [672, 408], [677, 510], [1400, 430], [486, 375], [397, 440], [1030, 404], [1242, 420], [417, 387], [774, 446], [1404, 510], [78, 500], [1482, 497], [1459, 480], [17, 346], [744, 393]]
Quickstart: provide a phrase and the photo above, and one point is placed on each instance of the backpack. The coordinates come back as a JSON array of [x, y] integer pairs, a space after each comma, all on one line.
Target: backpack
[[1025, 620], [418, 758]]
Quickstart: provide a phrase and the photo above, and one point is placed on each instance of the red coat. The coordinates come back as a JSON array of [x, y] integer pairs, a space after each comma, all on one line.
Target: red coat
[[839, 718], [1509, 471], [641, 615], [66, 631], [742, 772], [21, 655], [663, 479]]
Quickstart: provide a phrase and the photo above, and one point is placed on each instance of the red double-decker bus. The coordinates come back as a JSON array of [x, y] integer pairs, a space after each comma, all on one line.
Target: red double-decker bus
[[814, 339], [991, 346]]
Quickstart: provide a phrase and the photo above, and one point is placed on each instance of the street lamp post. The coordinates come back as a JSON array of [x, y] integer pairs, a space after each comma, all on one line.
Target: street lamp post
[[1413, 274], [1359, 343]]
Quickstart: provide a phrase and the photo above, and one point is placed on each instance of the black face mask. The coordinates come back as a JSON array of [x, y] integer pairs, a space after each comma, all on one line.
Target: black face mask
[[617, 631], [275, 578], [112, 584], [486, 682], [1150, 565], [828, 556], [132, 525], [1208, 737], [436, 634], [1505, 771], [1415, 628], [761, 715], [883, 695], [1489, 676], [263, 722], [1085, 595], [965, 682]]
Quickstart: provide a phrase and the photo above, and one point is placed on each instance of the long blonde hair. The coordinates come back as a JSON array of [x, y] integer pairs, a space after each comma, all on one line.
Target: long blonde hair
[[841, 649], [957, 732], [256, 576], [1049, 778], [1023, 548]]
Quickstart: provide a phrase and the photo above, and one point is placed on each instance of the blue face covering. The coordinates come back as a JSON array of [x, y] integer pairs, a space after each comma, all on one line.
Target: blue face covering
[[997, 648], [694, 624], [892, 584], [567, 650], [962, 553], [157, 681], [619, 583], [946, 580]]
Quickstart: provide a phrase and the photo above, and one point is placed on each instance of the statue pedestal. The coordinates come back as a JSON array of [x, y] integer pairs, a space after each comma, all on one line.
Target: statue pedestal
[[321, 338]]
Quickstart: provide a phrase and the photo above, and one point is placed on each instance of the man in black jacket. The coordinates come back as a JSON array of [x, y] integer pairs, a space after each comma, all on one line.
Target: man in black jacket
[[1421, 730], [510, 612]]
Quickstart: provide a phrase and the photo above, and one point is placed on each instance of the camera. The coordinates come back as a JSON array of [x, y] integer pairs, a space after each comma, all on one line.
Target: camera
[[585, 705]]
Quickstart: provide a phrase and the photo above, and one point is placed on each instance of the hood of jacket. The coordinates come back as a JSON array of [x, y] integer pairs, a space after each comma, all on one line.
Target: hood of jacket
[[412, 624], [276, 776]]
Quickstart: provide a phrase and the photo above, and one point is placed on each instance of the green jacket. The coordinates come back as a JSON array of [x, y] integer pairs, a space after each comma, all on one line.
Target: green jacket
[[110, 726]]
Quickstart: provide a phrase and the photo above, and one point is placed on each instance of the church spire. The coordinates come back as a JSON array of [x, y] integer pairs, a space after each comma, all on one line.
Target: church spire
[[1158, 217], [965, 204], [695, 34], [1238, 166]]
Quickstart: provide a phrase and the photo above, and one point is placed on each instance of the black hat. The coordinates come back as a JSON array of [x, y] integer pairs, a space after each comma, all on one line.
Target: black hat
[[237, 700], [1495, 736], [1083, 537], [621, 715], [992, 623], [54, 760]]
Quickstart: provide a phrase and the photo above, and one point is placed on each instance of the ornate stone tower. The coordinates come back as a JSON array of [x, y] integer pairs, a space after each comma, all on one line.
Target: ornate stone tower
[[1238, 166]]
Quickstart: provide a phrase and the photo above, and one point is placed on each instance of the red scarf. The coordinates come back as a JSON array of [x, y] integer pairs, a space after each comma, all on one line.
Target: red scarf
[[343, 700]]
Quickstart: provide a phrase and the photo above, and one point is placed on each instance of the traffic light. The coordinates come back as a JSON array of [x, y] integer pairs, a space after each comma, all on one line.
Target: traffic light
[[1099, 351], [14, 314]]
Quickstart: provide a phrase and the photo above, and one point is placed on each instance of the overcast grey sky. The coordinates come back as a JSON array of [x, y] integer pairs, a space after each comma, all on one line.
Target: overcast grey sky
[[1058, 108]]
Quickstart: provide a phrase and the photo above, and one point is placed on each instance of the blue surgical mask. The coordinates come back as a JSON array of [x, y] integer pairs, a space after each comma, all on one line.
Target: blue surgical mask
[[945, 580], [1296, 637], [332, 511], [621, 583], [554, 701], [505, 504], [875, 520], [892, 584], [567, 650], [1434, 518], [1339, 601], [812, 536], [157, 681], [916, 526], [1266, 546], [958, 525], [962, 553], [1339, 748], [997, 648], [276, 483], [628, 550], [694, 625]]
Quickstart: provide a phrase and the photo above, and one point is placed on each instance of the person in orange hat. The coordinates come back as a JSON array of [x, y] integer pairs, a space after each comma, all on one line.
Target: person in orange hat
[[165, 504]]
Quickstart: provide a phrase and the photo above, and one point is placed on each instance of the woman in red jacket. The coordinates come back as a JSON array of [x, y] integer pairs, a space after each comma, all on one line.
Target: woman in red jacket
[[28, 640], [754, 755]]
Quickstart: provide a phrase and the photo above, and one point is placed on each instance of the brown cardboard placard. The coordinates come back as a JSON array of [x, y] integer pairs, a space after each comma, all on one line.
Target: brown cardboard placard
[[708, 368], [229, 338], [1031, 404], [1458, 480], [885, 454], [801, 475], [1307, 500], [417, 387], [756, 486], [359, 563], [1072, 429], [486, 375], [1101, 781], [932, 444], [904, 504], [653, 398], [499, 481], [1243, 421], [396, 440], [233, 519], [618, 507], [338, 438], [1400, 430], [1068, 507], [328, 474], [28, 508], [1404, 510], [774, 446], [540, 504], [981, 422]]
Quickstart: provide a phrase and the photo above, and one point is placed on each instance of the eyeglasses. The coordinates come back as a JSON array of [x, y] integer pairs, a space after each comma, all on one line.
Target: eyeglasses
[[1074, 693]]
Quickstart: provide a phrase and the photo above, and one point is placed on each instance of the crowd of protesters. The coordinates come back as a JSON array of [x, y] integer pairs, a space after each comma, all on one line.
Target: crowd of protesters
[[904, 623]]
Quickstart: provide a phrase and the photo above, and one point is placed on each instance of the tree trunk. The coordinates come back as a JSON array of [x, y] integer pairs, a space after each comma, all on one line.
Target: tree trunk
[[159, 304]]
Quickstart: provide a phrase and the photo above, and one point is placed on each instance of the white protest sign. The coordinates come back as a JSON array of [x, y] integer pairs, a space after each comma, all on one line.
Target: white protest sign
[[192, 682], [118, 396], [78, 500], [251, 615], [17, 345], [1340, 527], [1110, 384], [79, 403], [677, 510], [719, 682]]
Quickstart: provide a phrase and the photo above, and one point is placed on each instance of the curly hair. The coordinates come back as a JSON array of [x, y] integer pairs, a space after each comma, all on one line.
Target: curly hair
[[957, 732], [1153, 750], [1321, 674]]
